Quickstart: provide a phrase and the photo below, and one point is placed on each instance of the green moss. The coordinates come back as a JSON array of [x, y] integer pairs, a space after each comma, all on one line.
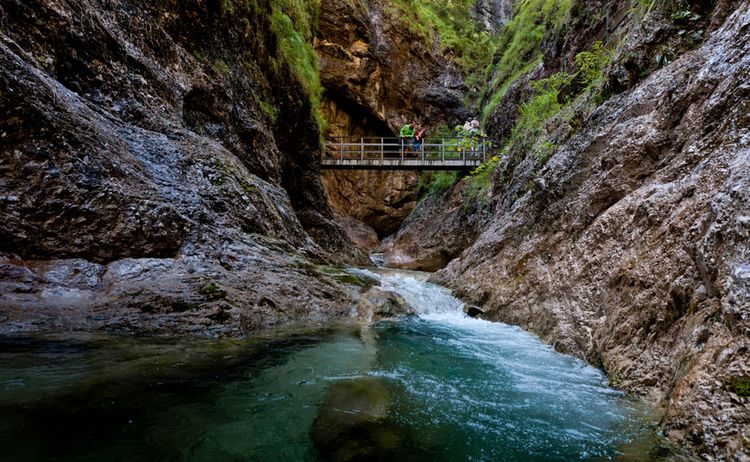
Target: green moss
[[271, 111], [221, 67], [248, 188], [343, 277], [213, 291], [739, 385], [520, 43], [294, 23]]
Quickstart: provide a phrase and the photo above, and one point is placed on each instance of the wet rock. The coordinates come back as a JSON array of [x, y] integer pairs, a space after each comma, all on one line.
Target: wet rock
[[363, 236], [473, 311], [438, 230], [352, 424], [377, 304]]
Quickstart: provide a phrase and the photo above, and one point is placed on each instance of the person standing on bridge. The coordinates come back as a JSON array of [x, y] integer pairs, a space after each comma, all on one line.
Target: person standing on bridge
[[418, 140], [406, 135]]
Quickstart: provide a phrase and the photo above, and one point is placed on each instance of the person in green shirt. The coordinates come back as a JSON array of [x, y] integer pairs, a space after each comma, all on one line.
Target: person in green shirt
[[407, 136]]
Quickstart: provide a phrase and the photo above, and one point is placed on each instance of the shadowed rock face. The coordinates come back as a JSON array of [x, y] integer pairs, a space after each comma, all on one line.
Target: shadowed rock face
[[143, 188], [632, 246], [438, 230], [379, 199]]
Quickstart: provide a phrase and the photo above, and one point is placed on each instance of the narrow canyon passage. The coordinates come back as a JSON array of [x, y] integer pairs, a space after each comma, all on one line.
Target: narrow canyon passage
[[439, 386]]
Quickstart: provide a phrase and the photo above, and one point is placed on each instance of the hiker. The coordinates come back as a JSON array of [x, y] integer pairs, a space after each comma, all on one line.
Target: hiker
[[406, 135], [419, 140], [477, 136]]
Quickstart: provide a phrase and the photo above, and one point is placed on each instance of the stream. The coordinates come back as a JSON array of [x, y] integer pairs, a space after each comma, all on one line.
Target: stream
[[437, 387]]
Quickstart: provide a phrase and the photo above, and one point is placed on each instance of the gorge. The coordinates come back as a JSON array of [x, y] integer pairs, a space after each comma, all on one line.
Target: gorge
[[161, 188]]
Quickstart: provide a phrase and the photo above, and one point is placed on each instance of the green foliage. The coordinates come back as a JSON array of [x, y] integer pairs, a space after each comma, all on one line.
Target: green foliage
[[227, 7], [294, 22], [519, 45], [498, 95], [590, 64], [548, 100], [449, 24], [740, 385], [685, 16], [663, 57], [470, 140], [436, 183], [540, 108], [271, 111], [480, 183]]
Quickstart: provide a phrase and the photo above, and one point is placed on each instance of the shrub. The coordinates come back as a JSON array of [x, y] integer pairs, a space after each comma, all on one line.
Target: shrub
[[436, 183], [590, 64], [480, 183]]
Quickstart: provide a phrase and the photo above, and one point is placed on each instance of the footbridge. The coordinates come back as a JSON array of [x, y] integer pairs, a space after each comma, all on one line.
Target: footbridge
[[365, 153]]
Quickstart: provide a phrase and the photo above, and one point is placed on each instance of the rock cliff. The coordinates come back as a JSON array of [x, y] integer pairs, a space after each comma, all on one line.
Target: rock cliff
[[159, 170], [438, 230], [629, 245]]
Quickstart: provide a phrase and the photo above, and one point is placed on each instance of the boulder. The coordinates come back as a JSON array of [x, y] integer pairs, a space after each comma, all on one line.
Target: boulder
[[377, 304], [473, 311], [352, 424]]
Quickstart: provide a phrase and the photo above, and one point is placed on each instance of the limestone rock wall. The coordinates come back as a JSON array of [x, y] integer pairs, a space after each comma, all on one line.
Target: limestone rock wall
[[439, 229], [379, 199], [630, 247], [493, 14], [149, 180]]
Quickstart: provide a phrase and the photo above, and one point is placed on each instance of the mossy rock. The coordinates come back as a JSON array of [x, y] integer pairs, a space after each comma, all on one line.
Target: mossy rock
[[739, 385], [339, 275], [213, 291]]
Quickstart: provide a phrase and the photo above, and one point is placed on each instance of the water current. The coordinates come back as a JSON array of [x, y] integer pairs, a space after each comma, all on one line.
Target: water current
[[437, 387]]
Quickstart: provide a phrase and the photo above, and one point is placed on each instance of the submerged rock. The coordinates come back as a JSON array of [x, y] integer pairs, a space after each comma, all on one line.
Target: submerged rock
[[377, 304], [352, 424]]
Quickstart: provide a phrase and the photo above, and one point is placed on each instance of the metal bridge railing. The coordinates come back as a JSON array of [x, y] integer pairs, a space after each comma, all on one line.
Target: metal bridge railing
[[372, 152]]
